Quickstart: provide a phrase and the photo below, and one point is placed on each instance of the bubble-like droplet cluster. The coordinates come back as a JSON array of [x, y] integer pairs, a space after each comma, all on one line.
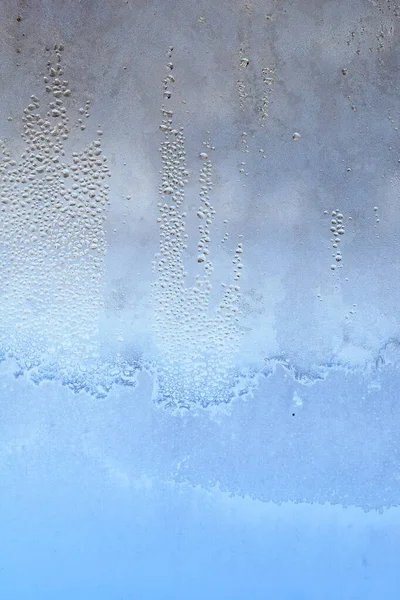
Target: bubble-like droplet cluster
[[243, 63], [377, 219], [338, 230], [245, 145], [254, 85], [52, 239], [268, 75], [196, 344]]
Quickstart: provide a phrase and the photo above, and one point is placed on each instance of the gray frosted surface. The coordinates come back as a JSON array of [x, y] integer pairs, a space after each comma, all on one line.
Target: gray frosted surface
[[346, 157], [280, 385]]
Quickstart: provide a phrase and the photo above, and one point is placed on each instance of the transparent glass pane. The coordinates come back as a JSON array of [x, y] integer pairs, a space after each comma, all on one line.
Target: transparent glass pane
[[199, 332]]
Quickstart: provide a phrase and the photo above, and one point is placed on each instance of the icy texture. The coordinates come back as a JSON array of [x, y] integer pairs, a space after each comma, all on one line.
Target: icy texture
[[288, 115], [199, 356]]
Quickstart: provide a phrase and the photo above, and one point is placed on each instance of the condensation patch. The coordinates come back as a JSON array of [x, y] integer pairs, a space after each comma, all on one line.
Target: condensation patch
[[53, 204], [196, 344]]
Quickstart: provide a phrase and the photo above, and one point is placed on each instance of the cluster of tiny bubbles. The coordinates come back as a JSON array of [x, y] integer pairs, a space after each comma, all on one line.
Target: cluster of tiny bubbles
[[240, 84], [338, 230], [242, 168], [196, 345], [377, 219], [52, 246], [245, 145], [268, 75]]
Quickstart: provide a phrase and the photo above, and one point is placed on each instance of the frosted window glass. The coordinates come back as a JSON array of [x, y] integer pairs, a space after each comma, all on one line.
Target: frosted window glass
[[199, 332]]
